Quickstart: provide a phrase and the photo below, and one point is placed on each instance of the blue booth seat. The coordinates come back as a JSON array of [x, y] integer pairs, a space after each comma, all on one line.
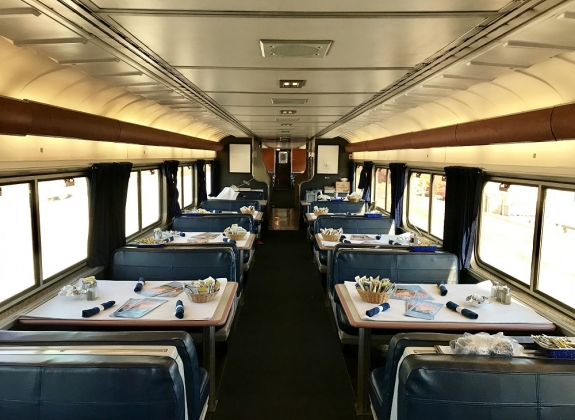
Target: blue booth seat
[[196, 378], [339, 206], [229, 205]]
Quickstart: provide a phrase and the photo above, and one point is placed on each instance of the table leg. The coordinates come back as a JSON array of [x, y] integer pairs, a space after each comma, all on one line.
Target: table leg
[[327, 277], [363, 365], [210, 364]]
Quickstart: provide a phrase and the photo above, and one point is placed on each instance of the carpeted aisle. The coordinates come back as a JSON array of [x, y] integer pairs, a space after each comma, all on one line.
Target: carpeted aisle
[[284, 358]]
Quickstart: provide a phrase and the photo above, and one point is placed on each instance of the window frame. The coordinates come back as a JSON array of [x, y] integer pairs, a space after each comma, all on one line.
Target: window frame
[[374, 189], [161, 201], [193, 191], [33, 180], [432, 173], [542, 183]]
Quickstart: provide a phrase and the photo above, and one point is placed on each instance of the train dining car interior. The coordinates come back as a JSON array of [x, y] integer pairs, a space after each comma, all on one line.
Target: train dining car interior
[[326, 209]]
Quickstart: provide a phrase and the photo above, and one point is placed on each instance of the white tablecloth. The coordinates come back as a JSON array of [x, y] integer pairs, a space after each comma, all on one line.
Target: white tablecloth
[[61, 307], [403, 240], [494, 313], [182, 240]]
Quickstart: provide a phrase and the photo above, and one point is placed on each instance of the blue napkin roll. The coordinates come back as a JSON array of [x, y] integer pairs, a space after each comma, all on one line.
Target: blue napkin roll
[[463, 311], [87, 313], [345, 241], [140, 284], [381, 308], [390, 242], [442, 289], [378, 237], [182, 234], [231, 241], [217, 211], [179, 309]]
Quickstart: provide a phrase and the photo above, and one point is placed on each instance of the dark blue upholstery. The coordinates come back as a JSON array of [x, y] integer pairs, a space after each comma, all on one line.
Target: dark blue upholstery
[[213, 222], [90, 387], [351, 224], [167, 263], [402, 267], [446, 387], [250, 195], [339, 206], [196, 378], [230, 205]]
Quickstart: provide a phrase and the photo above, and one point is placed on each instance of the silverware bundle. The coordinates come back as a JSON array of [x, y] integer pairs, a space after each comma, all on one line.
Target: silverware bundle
[[553, 342]]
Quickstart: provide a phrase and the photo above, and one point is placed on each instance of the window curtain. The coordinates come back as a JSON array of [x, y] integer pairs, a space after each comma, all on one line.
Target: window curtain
[[215, 178], [170, 170], [201, 169], [365, 181], [351, 174], [398, 179], [462, 201], [107, 210]]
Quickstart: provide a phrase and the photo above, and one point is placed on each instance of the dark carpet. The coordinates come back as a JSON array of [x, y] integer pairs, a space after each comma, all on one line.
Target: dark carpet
[[283, 198], [284, 359]]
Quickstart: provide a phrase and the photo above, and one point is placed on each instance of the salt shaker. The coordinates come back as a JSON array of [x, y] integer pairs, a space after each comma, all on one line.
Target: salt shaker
[[157, 234], [91, 286]]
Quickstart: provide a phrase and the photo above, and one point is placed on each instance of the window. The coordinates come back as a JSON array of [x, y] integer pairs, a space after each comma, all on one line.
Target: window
[[143, 200], [507, 226], [63, 205], [16, 248], [426, 202], [358, 169], [388, 192], [208, 179], [186, 186], [556, 264], [381, 183]]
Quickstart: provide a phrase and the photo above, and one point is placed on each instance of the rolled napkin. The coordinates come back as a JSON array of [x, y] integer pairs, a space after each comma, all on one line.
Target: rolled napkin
[[231, 241], [463, 311], [378, 309], [182, 234], [140, 284], [378, 237], [179, 309], [217, 211], [442, 289], [87, 313]]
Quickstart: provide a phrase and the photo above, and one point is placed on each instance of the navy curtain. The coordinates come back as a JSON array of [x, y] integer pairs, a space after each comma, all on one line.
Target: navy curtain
[[170, 170], [215, 178], [462, 202], [351, 174], [107, 211], [397, 173], [201, 169], [365, 181]]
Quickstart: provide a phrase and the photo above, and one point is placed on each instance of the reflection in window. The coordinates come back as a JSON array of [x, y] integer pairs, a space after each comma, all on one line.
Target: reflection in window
[[150, 180], [187, 186], [132, 225], [438, 206], [388, 192], [557, 265], [63, 223], [507, 226], [380, 187], [358, 169], [16, 248], [418, 199]]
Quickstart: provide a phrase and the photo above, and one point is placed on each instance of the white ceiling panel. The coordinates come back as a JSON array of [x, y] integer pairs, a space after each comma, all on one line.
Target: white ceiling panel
[[301, 110], [227, 41], [256, 80], [249, 99]]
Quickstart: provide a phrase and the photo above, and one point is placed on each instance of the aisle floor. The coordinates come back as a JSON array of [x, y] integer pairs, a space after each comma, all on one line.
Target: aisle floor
[[284, 359]]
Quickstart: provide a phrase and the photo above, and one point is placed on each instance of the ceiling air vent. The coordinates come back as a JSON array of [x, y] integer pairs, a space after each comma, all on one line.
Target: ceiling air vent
[[285, 101], [294, 48]]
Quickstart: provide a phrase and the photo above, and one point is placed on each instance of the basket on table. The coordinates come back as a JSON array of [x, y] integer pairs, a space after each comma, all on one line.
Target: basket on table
[[331, 234], [318, 211], [248, 210], [200, 297], [235, 232], [374, 297], [331, 238], [354, 199]]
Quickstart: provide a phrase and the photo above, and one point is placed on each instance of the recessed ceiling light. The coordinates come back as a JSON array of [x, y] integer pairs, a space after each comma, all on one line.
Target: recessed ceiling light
[[288, 101], [294, 48], [287, 125], [292, 84], [288, 111]]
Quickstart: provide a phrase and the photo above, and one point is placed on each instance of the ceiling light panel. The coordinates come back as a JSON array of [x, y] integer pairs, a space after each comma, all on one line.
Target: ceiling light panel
[[288, 111], [294, 48], [291, 84]]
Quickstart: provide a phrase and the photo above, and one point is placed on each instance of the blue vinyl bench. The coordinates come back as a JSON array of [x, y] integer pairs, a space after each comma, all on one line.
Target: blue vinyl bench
[[90, 387], [449, 387], [349, 224], [400, 266], [196, 378], [339, 206]]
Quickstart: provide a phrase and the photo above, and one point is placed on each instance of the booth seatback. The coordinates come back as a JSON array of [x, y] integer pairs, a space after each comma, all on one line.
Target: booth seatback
[[449, 387], [250, 195], [90, 387], [339, 206], [355, 224], [229, 205], [196, 378], [213, 222], [187, 263]]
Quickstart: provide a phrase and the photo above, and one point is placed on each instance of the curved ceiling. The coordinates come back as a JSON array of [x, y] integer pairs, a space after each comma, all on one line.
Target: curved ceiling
[[206, 68]]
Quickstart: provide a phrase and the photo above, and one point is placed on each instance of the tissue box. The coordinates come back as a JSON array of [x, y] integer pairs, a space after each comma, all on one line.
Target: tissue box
[[342, 187]]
